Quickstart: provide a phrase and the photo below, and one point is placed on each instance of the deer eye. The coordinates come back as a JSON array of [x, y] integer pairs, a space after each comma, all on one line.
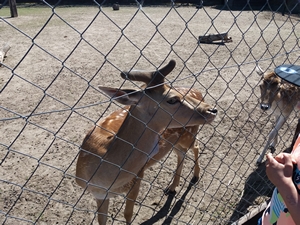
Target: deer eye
[[173, 100]]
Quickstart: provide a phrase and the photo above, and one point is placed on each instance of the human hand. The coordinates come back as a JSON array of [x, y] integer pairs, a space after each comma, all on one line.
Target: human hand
[[280, 169]]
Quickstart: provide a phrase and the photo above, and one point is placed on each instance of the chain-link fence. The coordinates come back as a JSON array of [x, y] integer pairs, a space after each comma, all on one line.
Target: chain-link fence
[[50, 99]]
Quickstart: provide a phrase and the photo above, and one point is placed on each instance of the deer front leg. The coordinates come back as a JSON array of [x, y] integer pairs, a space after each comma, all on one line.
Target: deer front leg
[[131, 196], [272, 139], [102, 210], [196, 167]]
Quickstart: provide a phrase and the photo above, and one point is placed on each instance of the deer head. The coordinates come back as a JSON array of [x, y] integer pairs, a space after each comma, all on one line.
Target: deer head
[[269, 88], [157, 104]]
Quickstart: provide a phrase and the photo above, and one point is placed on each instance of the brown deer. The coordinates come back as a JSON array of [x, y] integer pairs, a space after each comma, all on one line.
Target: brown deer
[[114, 155], [280, 96], [181, 139]]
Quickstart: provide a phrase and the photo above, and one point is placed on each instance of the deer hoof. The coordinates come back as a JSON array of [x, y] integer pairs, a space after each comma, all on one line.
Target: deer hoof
[[258, 162], [167, 191], [194, 180], [272, 148]]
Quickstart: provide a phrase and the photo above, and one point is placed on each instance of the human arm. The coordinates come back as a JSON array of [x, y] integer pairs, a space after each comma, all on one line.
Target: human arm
[[280, 171]]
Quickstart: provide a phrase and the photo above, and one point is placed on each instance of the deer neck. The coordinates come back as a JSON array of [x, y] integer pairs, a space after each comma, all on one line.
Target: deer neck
[[134, 143]]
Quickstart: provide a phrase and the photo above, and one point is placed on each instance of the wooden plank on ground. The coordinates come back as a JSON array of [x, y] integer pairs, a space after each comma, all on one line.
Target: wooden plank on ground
[[209, 39], [251, 214]]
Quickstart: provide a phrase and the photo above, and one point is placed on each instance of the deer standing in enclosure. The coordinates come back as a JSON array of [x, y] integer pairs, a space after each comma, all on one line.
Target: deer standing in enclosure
[[114, 154], [280, 96]]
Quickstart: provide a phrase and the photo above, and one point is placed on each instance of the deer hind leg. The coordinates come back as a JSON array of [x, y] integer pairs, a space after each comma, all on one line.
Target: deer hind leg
[[180, 151], [102, 210], [131, 196], [272, 138]]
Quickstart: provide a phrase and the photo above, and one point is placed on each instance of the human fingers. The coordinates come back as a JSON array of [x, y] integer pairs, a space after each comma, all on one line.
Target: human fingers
[[270, 160], [294, 161], [285, 163], [288, 163], [273, 169], [285, 158], [280, 158]]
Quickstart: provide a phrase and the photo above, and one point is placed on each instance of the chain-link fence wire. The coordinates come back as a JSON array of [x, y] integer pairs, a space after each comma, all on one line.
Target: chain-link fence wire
[[50, 98]]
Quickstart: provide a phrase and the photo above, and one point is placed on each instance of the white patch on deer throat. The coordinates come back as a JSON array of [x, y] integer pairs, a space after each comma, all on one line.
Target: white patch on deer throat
[[155, 148]]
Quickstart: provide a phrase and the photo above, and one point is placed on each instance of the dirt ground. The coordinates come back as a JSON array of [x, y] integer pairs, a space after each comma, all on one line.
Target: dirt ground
[[49, 99]]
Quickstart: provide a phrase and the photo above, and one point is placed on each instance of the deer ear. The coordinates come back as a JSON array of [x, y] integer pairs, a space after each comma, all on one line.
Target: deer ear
[[123, 96], [259, 70]]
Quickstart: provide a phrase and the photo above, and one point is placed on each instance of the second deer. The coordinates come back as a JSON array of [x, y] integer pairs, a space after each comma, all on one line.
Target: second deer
[[282, 98], [113, 155]]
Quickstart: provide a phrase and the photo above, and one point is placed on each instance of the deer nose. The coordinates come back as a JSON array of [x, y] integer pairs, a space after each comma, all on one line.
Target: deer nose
[[213, 111], [264, 107]]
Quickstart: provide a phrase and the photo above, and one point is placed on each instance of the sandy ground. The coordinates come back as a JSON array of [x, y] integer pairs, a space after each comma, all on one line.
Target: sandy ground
[[49, 99]]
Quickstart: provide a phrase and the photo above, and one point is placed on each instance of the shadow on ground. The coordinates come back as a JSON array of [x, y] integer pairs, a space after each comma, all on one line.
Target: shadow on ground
[[165, 210]]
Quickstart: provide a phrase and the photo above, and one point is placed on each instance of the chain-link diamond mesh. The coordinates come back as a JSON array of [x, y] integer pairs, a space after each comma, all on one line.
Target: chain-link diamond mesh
[[49, 99]]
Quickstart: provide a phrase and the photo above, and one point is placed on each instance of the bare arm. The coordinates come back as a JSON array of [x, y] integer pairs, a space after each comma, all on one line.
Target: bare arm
[[291, 198], [280, 172]]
